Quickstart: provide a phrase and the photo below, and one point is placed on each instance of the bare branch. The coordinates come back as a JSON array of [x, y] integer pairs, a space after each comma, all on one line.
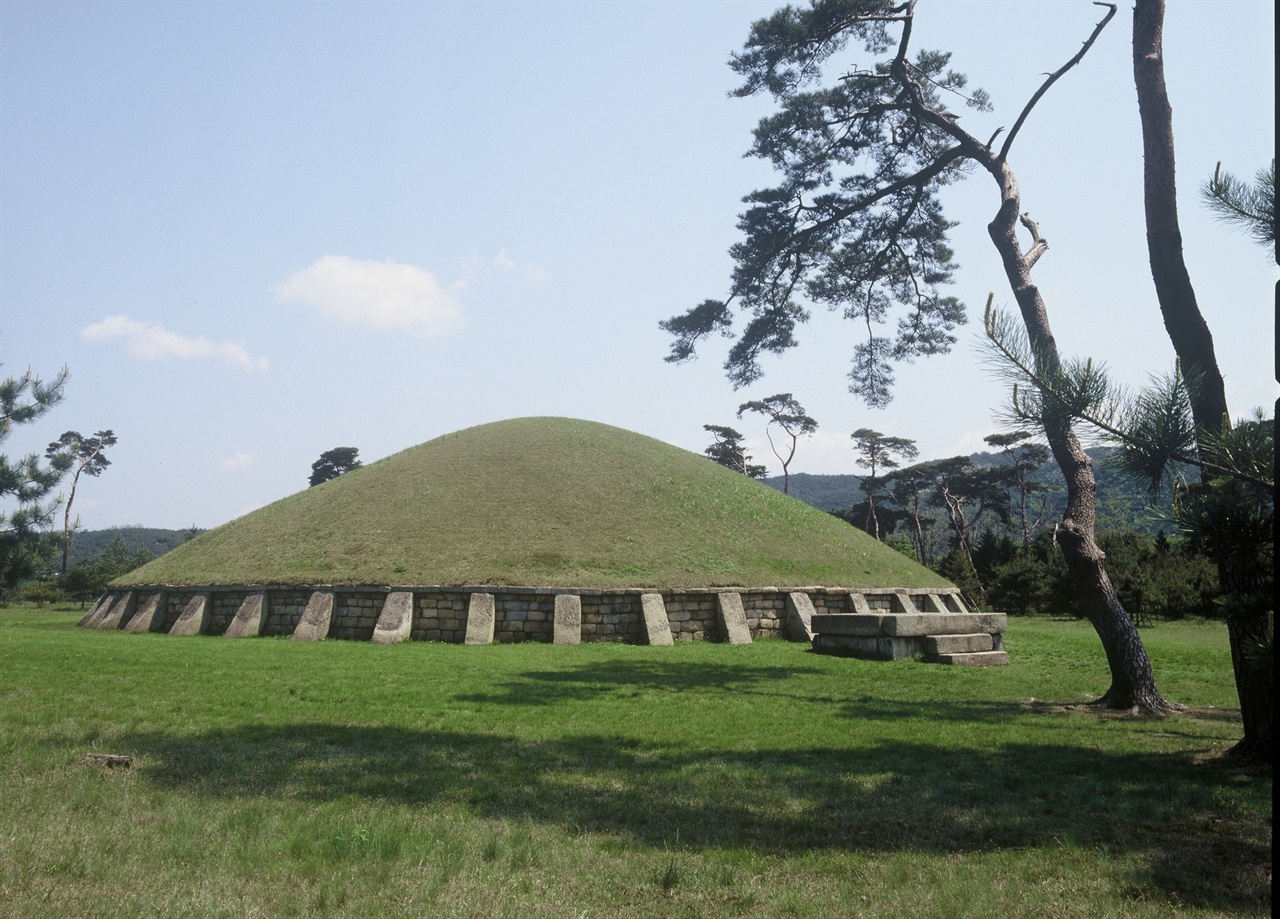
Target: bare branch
[[1053, 78], [1038, 244]]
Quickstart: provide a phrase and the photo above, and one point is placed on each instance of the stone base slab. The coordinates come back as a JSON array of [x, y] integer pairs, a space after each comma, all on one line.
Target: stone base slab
[[966, 639], [905, 625]]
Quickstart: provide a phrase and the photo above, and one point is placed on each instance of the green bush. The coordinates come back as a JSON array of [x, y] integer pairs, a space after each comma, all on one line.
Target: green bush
[[39, 592]]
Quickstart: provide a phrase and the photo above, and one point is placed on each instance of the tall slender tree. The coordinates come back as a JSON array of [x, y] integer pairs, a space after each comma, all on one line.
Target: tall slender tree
[[1025, 457], [877, 452], [88, 457], [784, 411], [1192, 341]]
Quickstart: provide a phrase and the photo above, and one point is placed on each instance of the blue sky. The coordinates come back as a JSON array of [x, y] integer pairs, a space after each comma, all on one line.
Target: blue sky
[[256, 231]]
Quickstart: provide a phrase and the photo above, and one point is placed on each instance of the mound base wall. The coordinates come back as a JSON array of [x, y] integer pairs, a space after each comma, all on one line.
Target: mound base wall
[[529, 613]]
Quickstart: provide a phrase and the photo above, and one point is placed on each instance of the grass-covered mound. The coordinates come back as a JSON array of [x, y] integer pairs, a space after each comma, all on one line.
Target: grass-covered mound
[[539, 501]]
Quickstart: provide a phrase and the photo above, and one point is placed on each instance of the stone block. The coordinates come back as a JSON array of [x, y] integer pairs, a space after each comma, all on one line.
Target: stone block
[[249, 617], [847, 623], [656, 623], [732, 618], [958, 644], [91, 618], [567, 624], [480, 619], [396, 619], [944, 623], [799, 616], [316, 618], [905, 601], [194, 619], [930, 603], [121, 611], [975, 659], [859, 603], [150, 614]]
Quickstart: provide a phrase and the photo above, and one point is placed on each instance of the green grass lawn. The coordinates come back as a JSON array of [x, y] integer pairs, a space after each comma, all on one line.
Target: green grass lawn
[[277, 778], [543, 502]]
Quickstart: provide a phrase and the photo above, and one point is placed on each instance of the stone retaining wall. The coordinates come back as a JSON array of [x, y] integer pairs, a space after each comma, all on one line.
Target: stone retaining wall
[[223, 606], [520, 613], [440, 616], [284, 610]]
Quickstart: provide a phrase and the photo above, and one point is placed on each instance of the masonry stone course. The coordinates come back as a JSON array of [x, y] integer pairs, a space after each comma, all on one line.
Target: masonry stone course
[[886, 623]]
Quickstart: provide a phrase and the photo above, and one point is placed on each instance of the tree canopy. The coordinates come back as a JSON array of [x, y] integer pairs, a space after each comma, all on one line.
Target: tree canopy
[[26, 483], [856, 223], [333, 463], [787, 413], [727, 449], [88, 457]]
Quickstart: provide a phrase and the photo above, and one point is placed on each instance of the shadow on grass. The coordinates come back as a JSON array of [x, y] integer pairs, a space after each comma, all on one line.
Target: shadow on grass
[[894, 796], [623, 678]]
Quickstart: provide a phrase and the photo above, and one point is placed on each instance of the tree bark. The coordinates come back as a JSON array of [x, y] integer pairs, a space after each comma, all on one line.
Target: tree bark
[[1189, 333], [1192, 342], [1132, 680]]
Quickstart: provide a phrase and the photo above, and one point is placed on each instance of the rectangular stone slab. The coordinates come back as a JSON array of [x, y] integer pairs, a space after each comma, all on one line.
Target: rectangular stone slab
[[799, 616], [195, 617], [120, 611], [149, 615], [480, 618], [396, 619], [904, 625], [314, 624], [733, 618], [248, 619], [975, 659], [958, 644], [567, 624], [656, 623], [847, 623]]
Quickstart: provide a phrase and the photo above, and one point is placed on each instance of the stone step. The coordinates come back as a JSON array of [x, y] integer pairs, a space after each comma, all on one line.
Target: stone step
[[959, 644], [973, 659]]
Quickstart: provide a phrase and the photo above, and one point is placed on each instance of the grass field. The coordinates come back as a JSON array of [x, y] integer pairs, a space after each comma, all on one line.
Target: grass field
[[275, 778]]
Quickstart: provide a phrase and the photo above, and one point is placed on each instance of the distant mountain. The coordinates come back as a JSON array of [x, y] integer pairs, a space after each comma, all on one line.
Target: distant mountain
[[89, 544], [1121, 504], [825, 492]]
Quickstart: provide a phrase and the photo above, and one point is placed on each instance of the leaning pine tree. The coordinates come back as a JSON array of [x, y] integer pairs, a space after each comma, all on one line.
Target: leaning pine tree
[[856, 225]]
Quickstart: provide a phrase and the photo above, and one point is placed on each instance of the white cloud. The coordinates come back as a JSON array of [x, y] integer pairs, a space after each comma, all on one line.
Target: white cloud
[[504, 262], [383, 295], [477, 269], [152, 341], [239, 461]]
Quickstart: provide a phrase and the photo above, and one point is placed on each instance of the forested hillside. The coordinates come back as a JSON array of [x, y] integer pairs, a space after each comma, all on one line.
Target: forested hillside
[[90, 544], [1122, 504]]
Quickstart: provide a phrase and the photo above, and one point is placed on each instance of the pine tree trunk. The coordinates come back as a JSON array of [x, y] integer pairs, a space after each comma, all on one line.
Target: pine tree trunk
[[1188, 332], [1191, 338], [1133, 684], [1249, 627]]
